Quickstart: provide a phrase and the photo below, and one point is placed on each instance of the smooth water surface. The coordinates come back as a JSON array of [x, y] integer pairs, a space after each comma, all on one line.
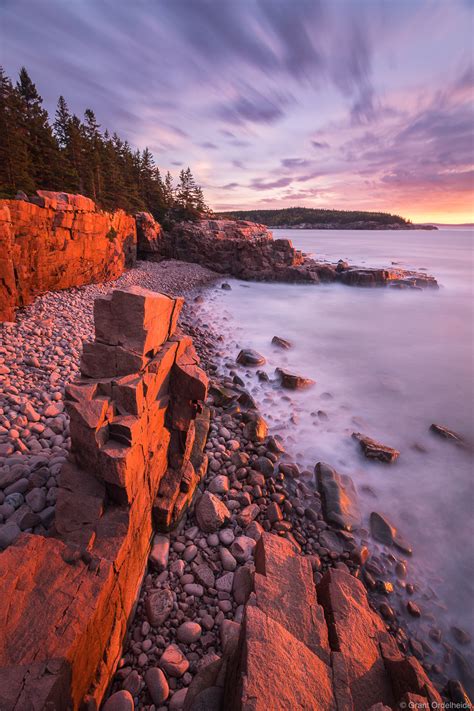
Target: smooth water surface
[[387, 363]]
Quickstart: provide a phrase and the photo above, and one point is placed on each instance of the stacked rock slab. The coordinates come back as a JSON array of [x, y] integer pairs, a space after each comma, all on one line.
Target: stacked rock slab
[[65, 600], [56, 241], [310, 650]]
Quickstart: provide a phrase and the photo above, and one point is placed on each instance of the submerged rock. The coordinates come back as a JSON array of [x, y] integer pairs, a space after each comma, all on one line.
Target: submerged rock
[[445, 433], [293, 381], [376, 450], [281, 342]]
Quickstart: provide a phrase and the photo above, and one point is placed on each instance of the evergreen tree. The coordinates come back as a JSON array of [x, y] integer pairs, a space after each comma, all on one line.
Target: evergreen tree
[[15, 168], [74, 156], [42, 146]]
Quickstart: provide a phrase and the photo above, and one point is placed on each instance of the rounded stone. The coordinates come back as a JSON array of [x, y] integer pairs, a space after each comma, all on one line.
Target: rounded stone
[[120, 701], [157, 685], [188, 632]]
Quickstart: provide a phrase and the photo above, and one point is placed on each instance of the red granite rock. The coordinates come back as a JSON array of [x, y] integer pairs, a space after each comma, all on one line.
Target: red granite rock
[[355, 630], [59, 242], [277, 671], [284, 590]]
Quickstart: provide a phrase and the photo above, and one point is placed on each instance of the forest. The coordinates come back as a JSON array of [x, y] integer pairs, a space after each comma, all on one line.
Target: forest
[[68, 154], [297, 216]]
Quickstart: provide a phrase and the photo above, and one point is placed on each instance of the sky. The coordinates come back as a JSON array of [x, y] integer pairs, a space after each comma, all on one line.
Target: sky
[[345, 104]]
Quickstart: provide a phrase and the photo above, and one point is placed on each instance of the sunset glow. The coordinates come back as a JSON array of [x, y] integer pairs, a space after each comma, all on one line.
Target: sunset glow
[[371, 108]]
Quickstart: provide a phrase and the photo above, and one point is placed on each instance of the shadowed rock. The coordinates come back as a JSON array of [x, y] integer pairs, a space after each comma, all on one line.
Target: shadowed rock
[[339, 497]]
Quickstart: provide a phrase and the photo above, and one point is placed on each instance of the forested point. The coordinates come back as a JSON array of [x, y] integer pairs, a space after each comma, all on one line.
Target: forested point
[[296, 216], [76, 156]]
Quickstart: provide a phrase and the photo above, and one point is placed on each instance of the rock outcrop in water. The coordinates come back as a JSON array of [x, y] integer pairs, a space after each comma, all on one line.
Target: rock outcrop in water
[[247, 250], [58, 240]]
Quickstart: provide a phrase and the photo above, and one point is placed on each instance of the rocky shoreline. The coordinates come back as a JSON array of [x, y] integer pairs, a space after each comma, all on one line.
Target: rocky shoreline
[[204, 568], [199, 576]]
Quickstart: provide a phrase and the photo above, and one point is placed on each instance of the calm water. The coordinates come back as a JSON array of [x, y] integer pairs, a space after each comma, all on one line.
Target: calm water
[[387, 363]]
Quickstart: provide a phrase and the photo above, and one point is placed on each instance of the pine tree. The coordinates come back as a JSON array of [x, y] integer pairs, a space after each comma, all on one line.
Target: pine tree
[[43, 149], [72, 156], [15, 168], [92, 148]]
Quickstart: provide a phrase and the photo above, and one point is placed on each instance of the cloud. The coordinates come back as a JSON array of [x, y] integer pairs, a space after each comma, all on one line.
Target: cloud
[[262, 184], [295, 162], [208, 144], [320, 144]]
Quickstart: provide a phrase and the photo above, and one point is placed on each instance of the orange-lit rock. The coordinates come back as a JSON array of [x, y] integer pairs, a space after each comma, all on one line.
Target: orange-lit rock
[[65, 601], [56, 242]]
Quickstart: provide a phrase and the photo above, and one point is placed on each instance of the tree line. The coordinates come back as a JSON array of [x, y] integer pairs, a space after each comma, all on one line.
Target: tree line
[[293, 216], [76, 156]]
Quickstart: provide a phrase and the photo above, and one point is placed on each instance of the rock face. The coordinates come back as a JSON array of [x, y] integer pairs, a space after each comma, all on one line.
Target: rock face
[[137, 455], [149, 234], [244, 249], [303, 646], [56, 241]]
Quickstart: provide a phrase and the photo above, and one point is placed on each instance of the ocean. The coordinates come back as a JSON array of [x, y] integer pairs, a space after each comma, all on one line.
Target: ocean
[[387, 363]]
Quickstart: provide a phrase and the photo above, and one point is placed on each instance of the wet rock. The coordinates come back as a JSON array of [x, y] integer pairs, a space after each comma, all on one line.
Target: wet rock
[[291, 381], [338, 497], [211, 513], [226, 286], [375, 450], [382, 530], [458, 694], [248, 356], [445, 433], [413, 609], [264, 465], [281, 342], [460, 635]]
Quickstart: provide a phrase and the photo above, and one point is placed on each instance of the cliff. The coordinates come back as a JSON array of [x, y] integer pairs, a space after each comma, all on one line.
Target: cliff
[[56, 241]]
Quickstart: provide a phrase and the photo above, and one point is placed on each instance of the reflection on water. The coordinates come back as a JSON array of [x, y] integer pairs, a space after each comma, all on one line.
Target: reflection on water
[[387, 363]]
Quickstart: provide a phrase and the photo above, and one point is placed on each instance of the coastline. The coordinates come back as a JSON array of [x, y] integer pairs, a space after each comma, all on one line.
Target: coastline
[[296, 507]]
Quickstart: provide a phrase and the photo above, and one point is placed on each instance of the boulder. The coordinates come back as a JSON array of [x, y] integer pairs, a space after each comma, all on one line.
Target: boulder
[[211, 513], [292, 381], [339, 497], [250, 357]]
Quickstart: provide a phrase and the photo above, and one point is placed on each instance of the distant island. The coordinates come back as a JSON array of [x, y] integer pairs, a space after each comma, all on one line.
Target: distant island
[[307, 218]]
